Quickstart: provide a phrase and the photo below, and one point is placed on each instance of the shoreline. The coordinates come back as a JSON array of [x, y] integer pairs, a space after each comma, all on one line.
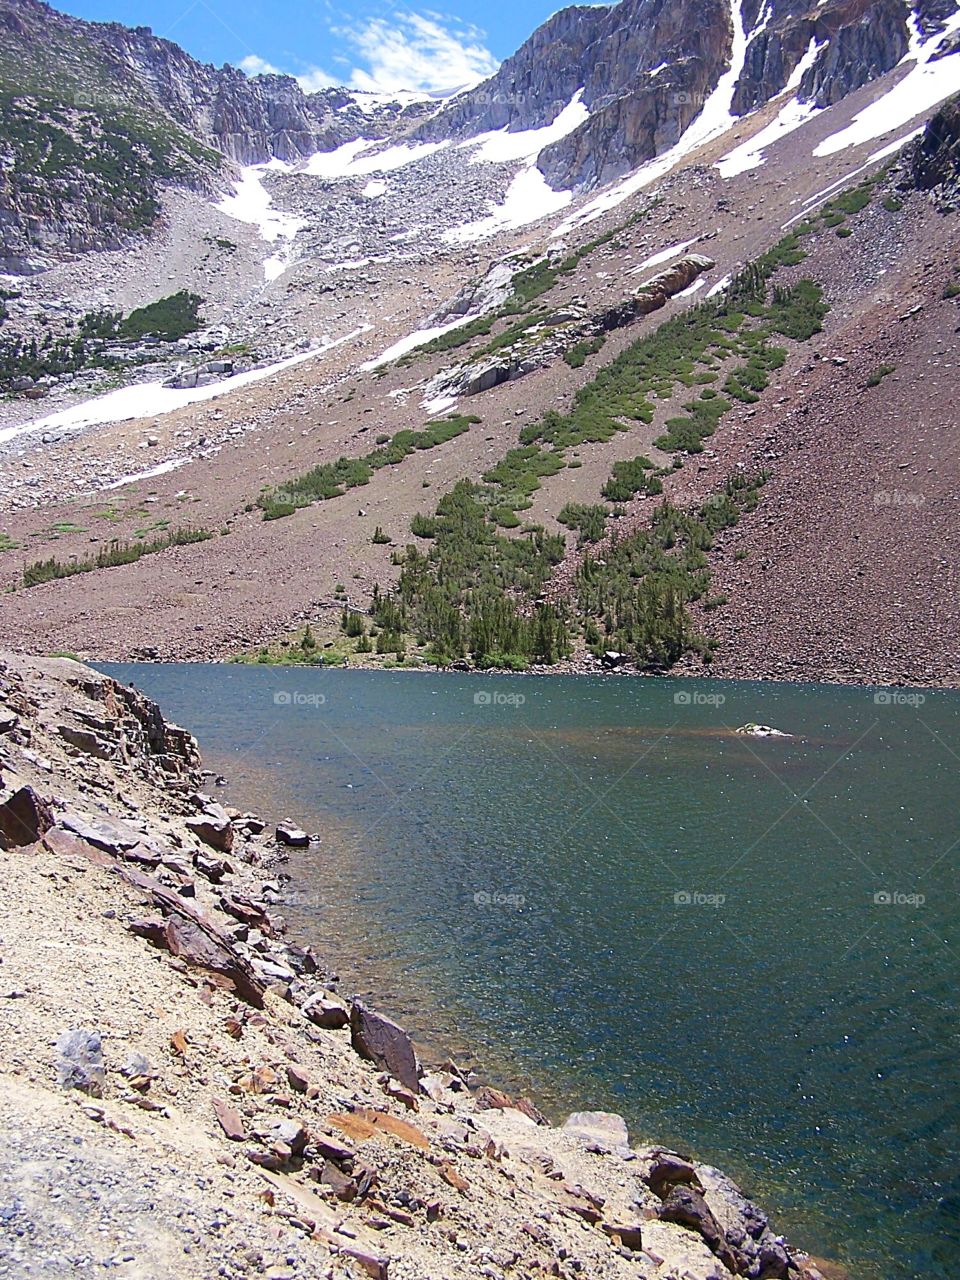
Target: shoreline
[[568, 670], [683, 1211]]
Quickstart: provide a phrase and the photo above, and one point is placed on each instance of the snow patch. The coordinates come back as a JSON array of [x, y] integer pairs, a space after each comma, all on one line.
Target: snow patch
[[347, 161], [697, 284], [892, 147], [718, 287], [439, 404], [412, 340], [528, 198], [153, 399], [663, 256], [160, 470], [500, 147], [924, 86], [251, 202], [749, 154], [374, 188]]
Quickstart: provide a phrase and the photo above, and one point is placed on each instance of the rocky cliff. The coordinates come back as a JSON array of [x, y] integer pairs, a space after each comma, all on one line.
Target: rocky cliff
[[935, 159], [646, 68]]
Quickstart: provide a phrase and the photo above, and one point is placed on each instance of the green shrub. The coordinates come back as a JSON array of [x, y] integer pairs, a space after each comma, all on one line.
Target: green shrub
[[879, 374], [115, 553]]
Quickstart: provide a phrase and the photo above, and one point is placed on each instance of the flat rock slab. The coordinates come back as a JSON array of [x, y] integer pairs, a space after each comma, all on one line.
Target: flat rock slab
[[604, 1129], [383, 1041]]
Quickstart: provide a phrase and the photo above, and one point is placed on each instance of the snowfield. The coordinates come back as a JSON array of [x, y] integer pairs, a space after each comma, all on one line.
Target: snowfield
[[926, 84], [153, 399]]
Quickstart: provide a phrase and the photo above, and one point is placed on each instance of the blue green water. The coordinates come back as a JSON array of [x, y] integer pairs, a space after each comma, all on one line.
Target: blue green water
[[750, 948]]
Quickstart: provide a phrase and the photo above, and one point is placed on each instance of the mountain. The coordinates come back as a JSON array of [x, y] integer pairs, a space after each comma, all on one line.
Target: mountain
[[97, 118], [638, 354]]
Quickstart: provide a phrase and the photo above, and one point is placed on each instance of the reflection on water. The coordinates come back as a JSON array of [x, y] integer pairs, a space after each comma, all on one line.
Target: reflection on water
[[615, 900]]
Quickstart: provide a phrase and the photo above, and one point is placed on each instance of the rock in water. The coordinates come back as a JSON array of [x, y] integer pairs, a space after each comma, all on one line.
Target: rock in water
[[379, 1038], [80, 1065], [291, 835]]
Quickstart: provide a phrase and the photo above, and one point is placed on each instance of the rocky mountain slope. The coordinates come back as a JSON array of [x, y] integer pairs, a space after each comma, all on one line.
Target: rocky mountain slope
[[99, 118], [412, 346], [183, 1094]]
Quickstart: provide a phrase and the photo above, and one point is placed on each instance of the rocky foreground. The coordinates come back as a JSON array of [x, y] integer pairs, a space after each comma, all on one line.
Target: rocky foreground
[[183, 1094]]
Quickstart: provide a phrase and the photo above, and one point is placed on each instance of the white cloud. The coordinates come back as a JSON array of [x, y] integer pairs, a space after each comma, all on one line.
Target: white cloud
[[424, 53], [256, 66], [315, 79], [429, 54]]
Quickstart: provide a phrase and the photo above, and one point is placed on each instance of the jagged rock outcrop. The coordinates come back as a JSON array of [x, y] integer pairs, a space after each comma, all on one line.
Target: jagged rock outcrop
[[84, 159], [646, 67], [935, 159], [555, 334]]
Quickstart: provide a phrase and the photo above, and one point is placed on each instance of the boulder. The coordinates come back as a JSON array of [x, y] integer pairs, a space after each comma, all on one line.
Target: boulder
[[327, 1011], [688, 1208], [290, 835], [103, 833], [273, 1129], [381, 1040], [489, 1099], [213, 827], [665, 1169], [80, 1065], [24, 819], [601, 1130]]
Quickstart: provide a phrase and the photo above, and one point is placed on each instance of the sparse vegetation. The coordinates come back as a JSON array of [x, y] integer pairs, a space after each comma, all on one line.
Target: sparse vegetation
[[114, 553], [878, 375], [333, 479]]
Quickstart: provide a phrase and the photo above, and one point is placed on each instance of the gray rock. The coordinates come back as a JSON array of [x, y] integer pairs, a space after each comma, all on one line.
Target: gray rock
[[80, 1065], [290, 835], [213, 827], [604, 1130]]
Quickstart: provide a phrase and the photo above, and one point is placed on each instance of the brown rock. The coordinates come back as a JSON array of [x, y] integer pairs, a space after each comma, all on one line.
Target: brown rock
[[378, 1038], [627, 1233], [297, 1078], [213, 827], [325, 1010], [331, 1148], [490, 1099], [373, 1264], [24, 818], [343, 1186], [230, 1121], [688, 1208], [245, 910]]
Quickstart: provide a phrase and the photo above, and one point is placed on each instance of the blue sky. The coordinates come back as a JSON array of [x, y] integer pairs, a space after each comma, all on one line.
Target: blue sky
[[373, 44]]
